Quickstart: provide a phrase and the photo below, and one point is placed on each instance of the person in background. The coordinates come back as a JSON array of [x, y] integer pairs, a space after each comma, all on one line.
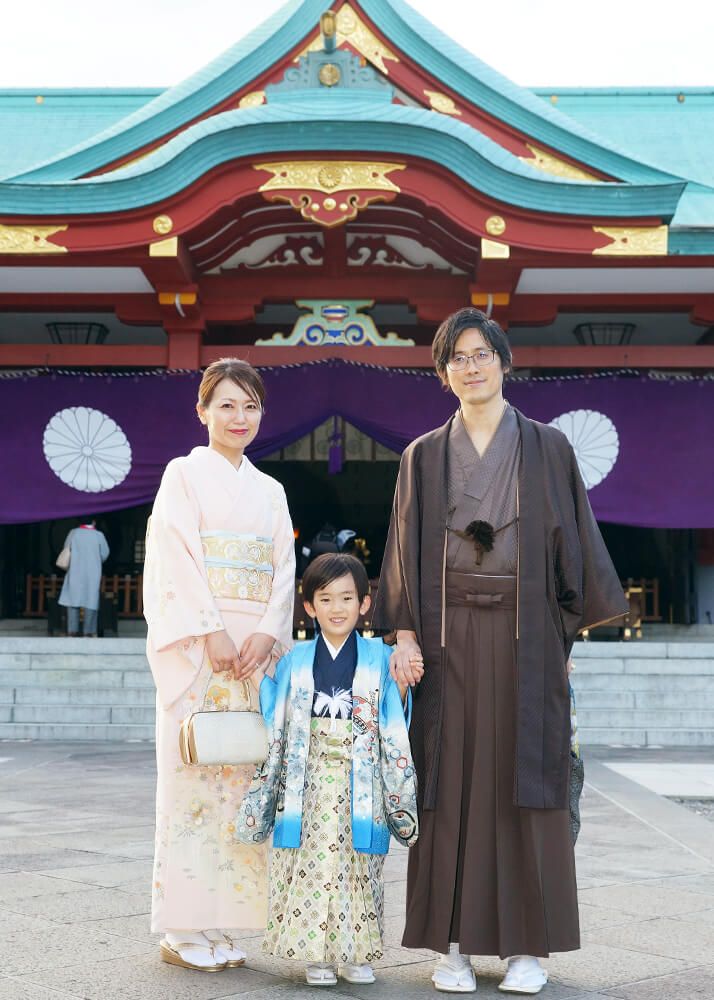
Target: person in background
[[80, 589]]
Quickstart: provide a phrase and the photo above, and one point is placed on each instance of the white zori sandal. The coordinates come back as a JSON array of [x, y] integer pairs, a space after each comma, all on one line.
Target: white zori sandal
[[525, 975], [191, 950], [227, 947], [320, 974], [453, 973], [357, 973]]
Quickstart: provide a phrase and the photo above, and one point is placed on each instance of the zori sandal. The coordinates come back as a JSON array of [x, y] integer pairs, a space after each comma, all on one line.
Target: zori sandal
[[192, 955], [320, 974], [227, 948]]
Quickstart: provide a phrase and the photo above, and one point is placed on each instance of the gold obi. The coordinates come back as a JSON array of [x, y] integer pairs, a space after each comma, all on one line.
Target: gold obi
[[238, 566]]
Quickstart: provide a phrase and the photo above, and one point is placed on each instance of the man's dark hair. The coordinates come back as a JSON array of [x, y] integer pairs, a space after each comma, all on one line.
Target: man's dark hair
[[331, 566], [442, 348]]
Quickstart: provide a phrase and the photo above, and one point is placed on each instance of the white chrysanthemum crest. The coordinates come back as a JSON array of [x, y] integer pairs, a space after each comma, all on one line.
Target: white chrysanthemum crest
[[86, 449], [595, 442]]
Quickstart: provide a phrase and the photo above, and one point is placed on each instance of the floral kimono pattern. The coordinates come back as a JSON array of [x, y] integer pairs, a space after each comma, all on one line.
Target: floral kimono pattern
[[220, 555]]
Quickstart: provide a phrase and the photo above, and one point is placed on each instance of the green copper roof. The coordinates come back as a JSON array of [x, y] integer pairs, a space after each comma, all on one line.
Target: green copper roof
[[341, 121], [670, 128], [33, 131], [407, 31]]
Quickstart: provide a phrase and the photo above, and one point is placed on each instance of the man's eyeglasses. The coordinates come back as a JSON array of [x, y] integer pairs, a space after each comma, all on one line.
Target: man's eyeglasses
[[482, 357]]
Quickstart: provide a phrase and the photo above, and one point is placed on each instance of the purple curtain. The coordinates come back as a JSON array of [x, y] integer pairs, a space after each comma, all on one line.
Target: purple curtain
[[80, 443]]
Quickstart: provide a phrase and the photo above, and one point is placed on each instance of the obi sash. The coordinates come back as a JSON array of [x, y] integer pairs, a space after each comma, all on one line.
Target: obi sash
[[238, 566]]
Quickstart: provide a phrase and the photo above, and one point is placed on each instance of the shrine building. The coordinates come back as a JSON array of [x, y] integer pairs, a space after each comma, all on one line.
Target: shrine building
[[317, 200]]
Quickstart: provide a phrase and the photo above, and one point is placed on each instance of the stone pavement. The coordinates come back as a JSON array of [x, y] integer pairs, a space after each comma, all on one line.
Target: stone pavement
[[76, 831]]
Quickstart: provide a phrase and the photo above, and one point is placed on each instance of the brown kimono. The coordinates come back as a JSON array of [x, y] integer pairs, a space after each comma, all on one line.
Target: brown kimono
[[493, 869]]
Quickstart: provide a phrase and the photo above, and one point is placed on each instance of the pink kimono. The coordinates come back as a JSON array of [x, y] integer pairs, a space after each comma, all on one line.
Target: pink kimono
[[220, 554]]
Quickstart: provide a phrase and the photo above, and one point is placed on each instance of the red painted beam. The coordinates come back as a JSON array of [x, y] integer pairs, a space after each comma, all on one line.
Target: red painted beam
[[698, 356], [82, 356], [149, 356], [701, 356]]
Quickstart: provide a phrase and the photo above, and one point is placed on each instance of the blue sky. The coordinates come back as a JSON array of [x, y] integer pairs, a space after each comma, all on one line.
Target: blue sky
[[64, 43]]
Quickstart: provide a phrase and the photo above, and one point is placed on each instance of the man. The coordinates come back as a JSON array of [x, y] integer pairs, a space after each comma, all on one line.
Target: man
[[493, 564]]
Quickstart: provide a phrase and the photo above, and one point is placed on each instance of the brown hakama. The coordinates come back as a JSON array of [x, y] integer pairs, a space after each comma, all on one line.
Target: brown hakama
[[494, 878]]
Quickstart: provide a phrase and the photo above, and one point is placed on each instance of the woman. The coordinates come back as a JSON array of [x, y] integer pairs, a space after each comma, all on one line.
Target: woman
[[493, 563], [218, 597]]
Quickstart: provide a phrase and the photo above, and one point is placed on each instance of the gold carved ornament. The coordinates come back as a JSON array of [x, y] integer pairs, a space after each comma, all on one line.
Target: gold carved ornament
[[352, 29], [329, 192], [633, 241], [442, 103], [329, 75], [30, 239], [556, 167], [495, 225], [162, 225], [252, 100]]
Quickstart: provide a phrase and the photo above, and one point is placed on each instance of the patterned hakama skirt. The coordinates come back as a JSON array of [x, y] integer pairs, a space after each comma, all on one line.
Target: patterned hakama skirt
[[326, 899]]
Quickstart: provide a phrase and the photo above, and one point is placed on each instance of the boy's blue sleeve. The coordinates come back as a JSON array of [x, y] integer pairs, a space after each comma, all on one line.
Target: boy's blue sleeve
[[269, 687], [390, 695]]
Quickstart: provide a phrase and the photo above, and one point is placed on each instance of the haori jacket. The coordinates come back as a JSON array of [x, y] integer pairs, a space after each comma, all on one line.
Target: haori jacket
[[383, 777], [565, 580]]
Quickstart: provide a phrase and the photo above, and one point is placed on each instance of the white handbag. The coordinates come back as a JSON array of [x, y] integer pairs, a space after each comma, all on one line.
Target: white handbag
[[224, 736], [63, 558]]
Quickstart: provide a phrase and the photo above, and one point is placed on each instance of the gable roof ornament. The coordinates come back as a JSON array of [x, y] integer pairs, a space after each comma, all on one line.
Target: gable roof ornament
[[325, 66]]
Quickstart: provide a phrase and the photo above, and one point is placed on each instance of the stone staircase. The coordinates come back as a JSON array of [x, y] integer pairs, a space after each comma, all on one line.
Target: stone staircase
[[75, 689], [628, 693], [645, 694]]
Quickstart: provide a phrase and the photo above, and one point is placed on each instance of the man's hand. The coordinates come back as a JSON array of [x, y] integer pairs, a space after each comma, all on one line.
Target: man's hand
[[406, 663]]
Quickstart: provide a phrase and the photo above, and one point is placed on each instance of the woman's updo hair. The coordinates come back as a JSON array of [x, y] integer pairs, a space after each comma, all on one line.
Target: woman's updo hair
[[244, 375], [442, 348]]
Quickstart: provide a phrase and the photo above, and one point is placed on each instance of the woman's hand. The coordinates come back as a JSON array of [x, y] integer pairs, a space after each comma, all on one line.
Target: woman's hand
[[254, 654], [569, 666], [222, 652], [406, 663]]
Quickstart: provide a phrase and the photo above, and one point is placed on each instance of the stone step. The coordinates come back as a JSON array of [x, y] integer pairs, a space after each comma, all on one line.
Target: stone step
[[78, 696], [644, 665], [73, 731], [683, 698], [637, 737], [643, 719], [641, 682], [77, 678]]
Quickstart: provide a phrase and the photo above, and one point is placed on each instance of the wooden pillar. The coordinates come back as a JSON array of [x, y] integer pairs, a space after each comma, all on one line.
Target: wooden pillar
[[184, 348]]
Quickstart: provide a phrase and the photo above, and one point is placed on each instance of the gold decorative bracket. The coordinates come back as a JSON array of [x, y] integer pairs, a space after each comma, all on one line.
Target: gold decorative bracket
[[553, 165], [633, 241], [493, 250], [329, 192], [30, 239], [352, 29]]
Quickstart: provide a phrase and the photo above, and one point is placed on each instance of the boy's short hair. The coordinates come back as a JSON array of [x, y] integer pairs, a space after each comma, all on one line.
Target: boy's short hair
[[331, 566]]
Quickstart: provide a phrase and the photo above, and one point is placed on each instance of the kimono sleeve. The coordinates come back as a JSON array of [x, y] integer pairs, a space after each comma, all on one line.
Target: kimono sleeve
[[178, 603], [277, 620], [599, 598], [394, 607], [399, 781], [255, 819], [103, 547]]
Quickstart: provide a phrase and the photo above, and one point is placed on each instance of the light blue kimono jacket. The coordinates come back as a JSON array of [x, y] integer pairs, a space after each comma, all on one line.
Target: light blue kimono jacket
[[383, 778]]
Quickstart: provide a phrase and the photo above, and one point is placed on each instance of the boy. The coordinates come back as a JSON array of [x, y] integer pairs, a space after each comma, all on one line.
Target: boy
[[338, 779]]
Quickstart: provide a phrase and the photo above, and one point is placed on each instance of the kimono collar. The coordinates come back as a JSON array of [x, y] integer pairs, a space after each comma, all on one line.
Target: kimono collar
[[202, 450]]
